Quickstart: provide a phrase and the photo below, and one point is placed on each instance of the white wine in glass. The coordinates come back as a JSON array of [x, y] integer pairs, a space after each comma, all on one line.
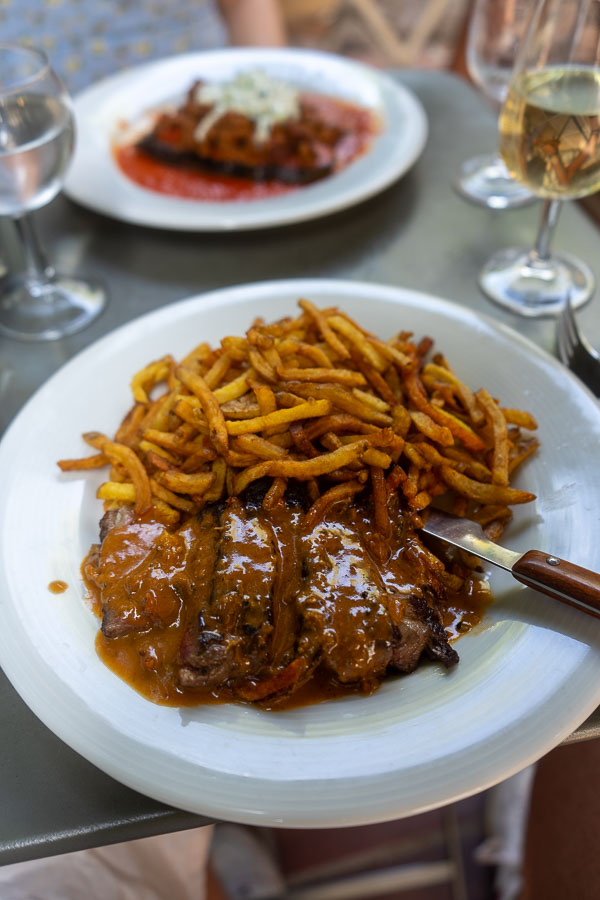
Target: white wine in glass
[[495, 29], [550, 140], [36, 145], [550, 131]]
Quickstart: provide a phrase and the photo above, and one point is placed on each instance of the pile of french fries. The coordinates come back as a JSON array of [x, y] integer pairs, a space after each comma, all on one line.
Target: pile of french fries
[[320, 399]]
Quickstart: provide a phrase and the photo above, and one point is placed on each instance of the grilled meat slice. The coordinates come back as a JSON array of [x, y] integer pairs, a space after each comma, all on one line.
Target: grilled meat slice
[[342, 603], [366, 611], [297, 151], [414, 591], [142, 575], [230, 639]]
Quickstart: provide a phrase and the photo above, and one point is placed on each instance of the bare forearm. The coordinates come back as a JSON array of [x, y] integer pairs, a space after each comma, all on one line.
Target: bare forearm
[[254, 22]]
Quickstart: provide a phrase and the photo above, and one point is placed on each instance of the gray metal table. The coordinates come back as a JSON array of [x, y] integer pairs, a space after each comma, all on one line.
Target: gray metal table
[[417, 234]]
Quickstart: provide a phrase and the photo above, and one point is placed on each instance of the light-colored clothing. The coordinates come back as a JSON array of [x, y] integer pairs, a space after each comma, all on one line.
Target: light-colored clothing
[[89, 39], [169, 866]]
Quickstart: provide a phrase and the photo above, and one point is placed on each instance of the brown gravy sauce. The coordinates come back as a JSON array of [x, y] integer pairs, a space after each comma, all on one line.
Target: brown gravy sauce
[[57, 587], [148, 659]]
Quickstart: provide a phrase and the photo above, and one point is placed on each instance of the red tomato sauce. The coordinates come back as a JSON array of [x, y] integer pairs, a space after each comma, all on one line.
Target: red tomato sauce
[[193, 184], [190, 184]]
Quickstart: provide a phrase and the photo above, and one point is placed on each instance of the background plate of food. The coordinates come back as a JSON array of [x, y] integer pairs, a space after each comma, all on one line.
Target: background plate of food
[[529, 672], [269, 137]]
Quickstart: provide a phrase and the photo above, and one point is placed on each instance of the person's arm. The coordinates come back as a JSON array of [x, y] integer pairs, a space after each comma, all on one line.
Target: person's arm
[[254, 23]]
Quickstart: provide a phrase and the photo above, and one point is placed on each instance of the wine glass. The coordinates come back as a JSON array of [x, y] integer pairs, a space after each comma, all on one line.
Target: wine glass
[[550, 140], [36, 143], [495, 29]]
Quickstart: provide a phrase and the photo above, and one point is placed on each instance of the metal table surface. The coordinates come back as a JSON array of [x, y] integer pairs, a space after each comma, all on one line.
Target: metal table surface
[[417, 234]]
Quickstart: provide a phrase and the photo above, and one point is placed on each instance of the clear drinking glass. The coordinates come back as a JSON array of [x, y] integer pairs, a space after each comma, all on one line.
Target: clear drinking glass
[[550, 140], [36, 143], [495, 29]]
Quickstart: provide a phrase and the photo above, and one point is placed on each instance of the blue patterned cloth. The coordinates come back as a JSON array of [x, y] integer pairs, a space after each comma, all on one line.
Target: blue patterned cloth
[[88, 39]]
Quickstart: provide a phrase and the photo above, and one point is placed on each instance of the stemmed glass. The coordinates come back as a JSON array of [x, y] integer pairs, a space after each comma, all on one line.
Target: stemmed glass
[[550, 140], [495, 29], [36, 143]]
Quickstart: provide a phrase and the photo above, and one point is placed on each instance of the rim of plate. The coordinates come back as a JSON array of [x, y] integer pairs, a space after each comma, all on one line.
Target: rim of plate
[[392, 153]]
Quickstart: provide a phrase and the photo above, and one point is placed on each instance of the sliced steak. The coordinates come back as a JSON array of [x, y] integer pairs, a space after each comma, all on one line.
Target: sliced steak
[[414, 591], [231, 636], [141, 573], [343, 603]]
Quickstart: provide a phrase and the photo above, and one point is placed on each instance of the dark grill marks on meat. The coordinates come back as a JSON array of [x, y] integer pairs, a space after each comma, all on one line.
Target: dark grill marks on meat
[[412, 594], [297, 151], [232, 634]]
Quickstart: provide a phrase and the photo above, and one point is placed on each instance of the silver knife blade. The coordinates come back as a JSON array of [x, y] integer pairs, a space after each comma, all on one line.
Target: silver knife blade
[[468, 535]]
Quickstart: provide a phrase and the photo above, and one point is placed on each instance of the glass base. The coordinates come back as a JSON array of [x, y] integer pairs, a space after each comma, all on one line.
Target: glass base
[[517, 280], [486, 181], [31, 310]]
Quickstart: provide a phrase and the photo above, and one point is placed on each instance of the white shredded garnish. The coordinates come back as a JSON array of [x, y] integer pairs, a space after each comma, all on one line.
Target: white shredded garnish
[[253, 94]]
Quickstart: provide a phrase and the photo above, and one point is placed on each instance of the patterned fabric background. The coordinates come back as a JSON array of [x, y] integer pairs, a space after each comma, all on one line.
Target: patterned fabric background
[[89, 39]]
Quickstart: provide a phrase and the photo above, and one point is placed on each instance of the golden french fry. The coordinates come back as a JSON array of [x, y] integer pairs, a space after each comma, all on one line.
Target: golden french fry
[[500, 434], [441, 434], [125, 456], [261, 447], [129, 427], [182, 483], [343, 400], [150, 447], [484, 493], [266, 399], [338, 422], [219, 472], [371, 400], [376, 458], [169, 497], [302, 469], [124, 491], [218, 370], [291, 347], [466, 395], [360, 341], [377, 381], [341, 493], [301, 441], [520, 418], [212, 410], [148, 377], [235, 388], [85, 464], [325, 329], [275, 493], [280, 417], [327, 375]]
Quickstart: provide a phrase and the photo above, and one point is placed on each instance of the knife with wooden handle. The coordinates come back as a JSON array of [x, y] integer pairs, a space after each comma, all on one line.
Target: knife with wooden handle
[[544, 572]]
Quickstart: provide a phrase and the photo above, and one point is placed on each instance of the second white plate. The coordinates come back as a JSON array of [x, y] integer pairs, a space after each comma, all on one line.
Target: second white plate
[[95, 181]]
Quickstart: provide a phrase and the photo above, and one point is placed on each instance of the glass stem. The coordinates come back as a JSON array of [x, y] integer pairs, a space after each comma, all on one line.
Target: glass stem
[[36, 263], [550, 213]]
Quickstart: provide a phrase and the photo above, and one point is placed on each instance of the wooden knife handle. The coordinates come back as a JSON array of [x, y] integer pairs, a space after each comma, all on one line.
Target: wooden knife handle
[[560, 579]]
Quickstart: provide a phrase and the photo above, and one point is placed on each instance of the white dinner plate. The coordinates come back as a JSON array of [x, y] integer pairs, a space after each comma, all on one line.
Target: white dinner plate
[[95, 180], [528, 676]]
